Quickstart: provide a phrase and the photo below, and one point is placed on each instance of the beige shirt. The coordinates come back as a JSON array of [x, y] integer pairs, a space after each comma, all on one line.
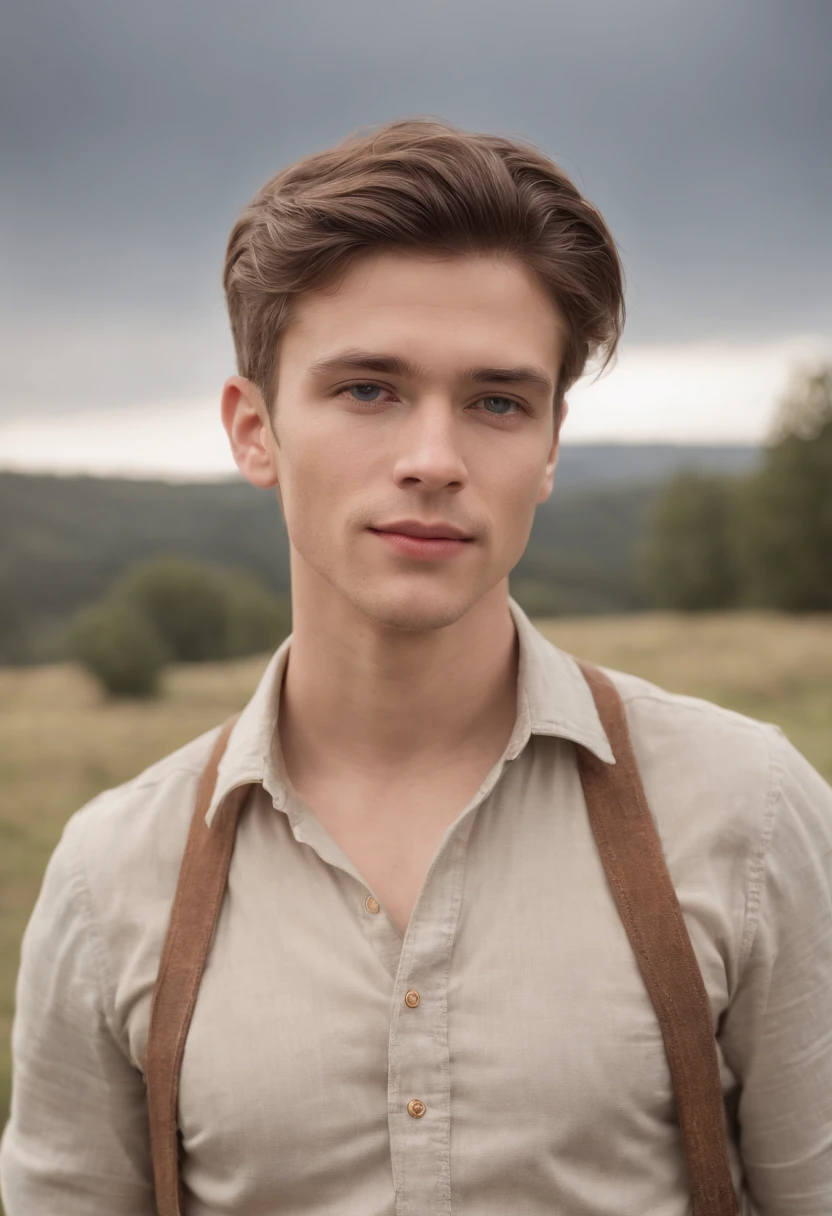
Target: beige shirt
[[533, 1046]]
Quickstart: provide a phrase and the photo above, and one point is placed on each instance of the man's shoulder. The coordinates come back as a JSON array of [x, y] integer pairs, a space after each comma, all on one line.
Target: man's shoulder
[[701, 757], [656, 710], [128, 841], [145, 793]]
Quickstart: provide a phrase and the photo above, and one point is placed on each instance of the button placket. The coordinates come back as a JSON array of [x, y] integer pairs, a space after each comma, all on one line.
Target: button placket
[[379, 930], [419, 1060]]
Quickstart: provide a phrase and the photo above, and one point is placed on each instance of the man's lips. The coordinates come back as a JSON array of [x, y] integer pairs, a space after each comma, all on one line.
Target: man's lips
[[424, 531], [425, 547], [418, 536]]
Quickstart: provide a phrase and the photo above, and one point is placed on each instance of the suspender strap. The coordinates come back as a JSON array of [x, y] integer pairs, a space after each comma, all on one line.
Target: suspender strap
[[199, 892], [637, 873], [649, 908]]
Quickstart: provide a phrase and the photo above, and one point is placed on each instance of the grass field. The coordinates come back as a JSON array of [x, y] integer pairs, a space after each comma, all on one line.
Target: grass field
[[61, 743]]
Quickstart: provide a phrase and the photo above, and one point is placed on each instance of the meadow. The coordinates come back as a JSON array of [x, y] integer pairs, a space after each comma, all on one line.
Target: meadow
[[61, 742]]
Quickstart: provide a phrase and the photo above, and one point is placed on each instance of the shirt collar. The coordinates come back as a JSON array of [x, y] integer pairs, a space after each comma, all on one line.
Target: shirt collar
[[552, 695], [553, 698]]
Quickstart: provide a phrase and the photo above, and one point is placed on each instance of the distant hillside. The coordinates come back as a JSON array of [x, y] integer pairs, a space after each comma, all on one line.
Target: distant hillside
[[65, 540], [593, 465]]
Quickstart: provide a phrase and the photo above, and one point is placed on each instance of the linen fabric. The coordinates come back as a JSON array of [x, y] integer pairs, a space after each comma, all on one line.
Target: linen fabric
[[530, 1076]]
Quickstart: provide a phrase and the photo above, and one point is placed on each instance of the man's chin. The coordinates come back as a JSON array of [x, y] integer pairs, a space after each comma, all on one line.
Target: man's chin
[[414, 609]]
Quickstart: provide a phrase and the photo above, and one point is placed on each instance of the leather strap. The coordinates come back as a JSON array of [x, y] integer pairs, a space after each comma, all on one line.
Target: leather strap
[[202, 878], [637, 873], [649, 908]]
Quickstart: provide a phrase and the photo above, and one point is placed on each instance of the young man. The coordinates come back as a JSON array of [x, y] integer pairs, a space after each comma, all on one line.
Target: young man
[[419, 996]]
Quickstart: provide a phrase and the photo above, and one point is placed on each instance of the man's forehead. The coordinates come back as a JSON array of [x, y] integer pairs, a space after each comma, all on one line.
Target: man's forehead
[[413, 273], [471, 312]]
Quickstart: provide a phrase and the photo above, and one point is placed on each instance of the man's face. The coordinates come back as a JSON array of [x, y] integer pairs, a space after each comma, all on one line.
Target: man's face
[[403, 430]]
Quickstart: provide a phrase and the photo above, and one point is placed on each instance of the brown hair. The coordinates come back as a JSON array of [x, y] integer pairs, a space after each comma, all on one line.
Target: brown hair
[[423, 185]]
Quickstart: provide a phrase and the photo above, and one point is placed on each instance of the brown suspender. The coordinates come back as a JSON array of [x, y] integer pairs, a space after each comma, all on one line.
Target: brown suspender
[[649, 908], [196, 906], [632, 855]]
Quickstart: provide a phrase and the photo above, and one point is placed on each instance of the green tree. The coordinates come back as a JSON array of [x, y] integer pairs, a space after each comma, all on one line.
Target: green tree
[[174, 610], [690, 561], [119, 645], [256, 619], [184, 600], [787, 514], [205, 612]]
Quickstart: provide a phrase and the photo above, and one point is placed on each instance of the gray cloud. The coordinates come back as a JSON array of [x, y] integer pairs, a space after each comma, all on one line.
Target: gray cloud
[[133, 134]]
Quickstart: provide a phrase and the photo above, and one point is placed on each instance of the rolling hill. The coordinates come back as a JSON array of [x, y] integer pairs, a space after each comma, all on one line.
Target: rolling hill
[[64, 540]]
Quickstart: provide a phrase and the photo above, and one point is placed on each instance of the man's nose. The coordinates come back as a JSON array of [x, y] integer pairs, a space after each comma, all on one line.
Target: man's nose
[[431, 446]]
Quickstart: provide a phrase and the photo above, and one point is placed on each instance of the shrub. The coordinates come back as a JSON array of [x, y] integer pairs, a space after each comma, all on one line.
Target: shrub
[[205, 612], [173, 610], [256, 620], [185, 602], [120, 647]]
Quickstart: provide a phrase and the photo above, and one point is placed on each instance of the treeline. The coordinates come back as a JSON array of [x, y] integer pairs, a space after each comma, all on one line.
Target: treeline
[[627, 528], [66, 541], [759, 540]]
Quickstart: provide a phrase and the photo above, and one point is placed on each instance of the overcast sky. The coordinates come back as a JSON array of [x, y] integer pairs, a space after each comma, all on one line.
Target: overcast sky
[[133, 134]]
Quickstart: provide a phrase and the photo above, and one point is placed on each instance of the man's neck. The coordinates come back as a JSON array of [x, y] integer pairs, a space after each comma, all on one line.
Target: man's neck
[[385, 704]]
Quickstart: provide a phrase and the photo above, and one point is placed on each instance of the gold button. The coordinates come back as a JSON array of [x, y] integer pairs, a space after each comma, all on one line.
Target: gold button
[[412, 998], [416, 1108], [372, 904]]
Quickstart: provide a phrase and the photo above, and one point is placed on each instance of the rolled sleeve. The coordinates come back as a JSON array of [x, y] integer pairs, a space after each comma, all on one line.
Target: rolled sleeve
[[77, 1139], [777, 1033]]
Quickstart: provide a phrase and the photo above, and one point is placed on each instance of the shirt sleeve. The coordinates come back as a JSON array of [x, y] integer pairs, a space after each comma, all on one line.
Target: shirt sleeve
[[77, 1141], [777, 1032]]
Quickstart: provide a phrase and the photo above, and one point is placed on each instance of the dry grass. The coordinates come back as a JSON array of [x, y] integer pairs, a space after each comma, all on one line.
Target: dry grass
[[60, 743], [763, 664]]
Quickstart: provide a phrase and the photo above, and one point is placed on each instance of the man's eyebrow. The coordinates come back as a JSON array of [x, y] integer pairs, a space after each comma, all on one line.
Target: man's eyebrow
[[534, 377], [364, 361], [395, 365]]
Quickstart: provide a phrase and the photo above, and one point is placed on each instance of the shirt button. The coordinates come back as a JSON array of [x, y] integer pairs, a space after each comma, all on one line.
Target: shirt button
[[416, 1108], [372, 905], [412, 998]]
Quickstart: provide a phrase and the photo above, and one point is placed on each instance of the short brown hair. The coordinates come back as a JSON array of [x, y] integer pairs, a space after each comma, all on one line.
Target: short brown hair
[[424, 185]]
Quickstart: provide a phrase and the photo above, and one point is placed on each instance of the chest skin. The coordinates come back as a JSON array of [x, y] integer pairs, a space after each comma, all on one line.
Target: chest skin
[[390, 827], [391, 830], [391, 841]]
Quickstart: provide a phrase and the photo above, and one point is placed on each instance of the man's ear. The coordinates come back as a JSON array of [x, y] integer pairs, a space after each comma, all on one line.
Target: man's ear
[[549, 474], [246, 421]]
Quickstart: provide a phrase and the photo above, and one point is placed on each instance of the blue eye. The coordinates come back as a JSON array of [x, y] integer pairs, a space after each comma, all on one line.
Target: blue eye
[[505, 400], [364, 391]]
